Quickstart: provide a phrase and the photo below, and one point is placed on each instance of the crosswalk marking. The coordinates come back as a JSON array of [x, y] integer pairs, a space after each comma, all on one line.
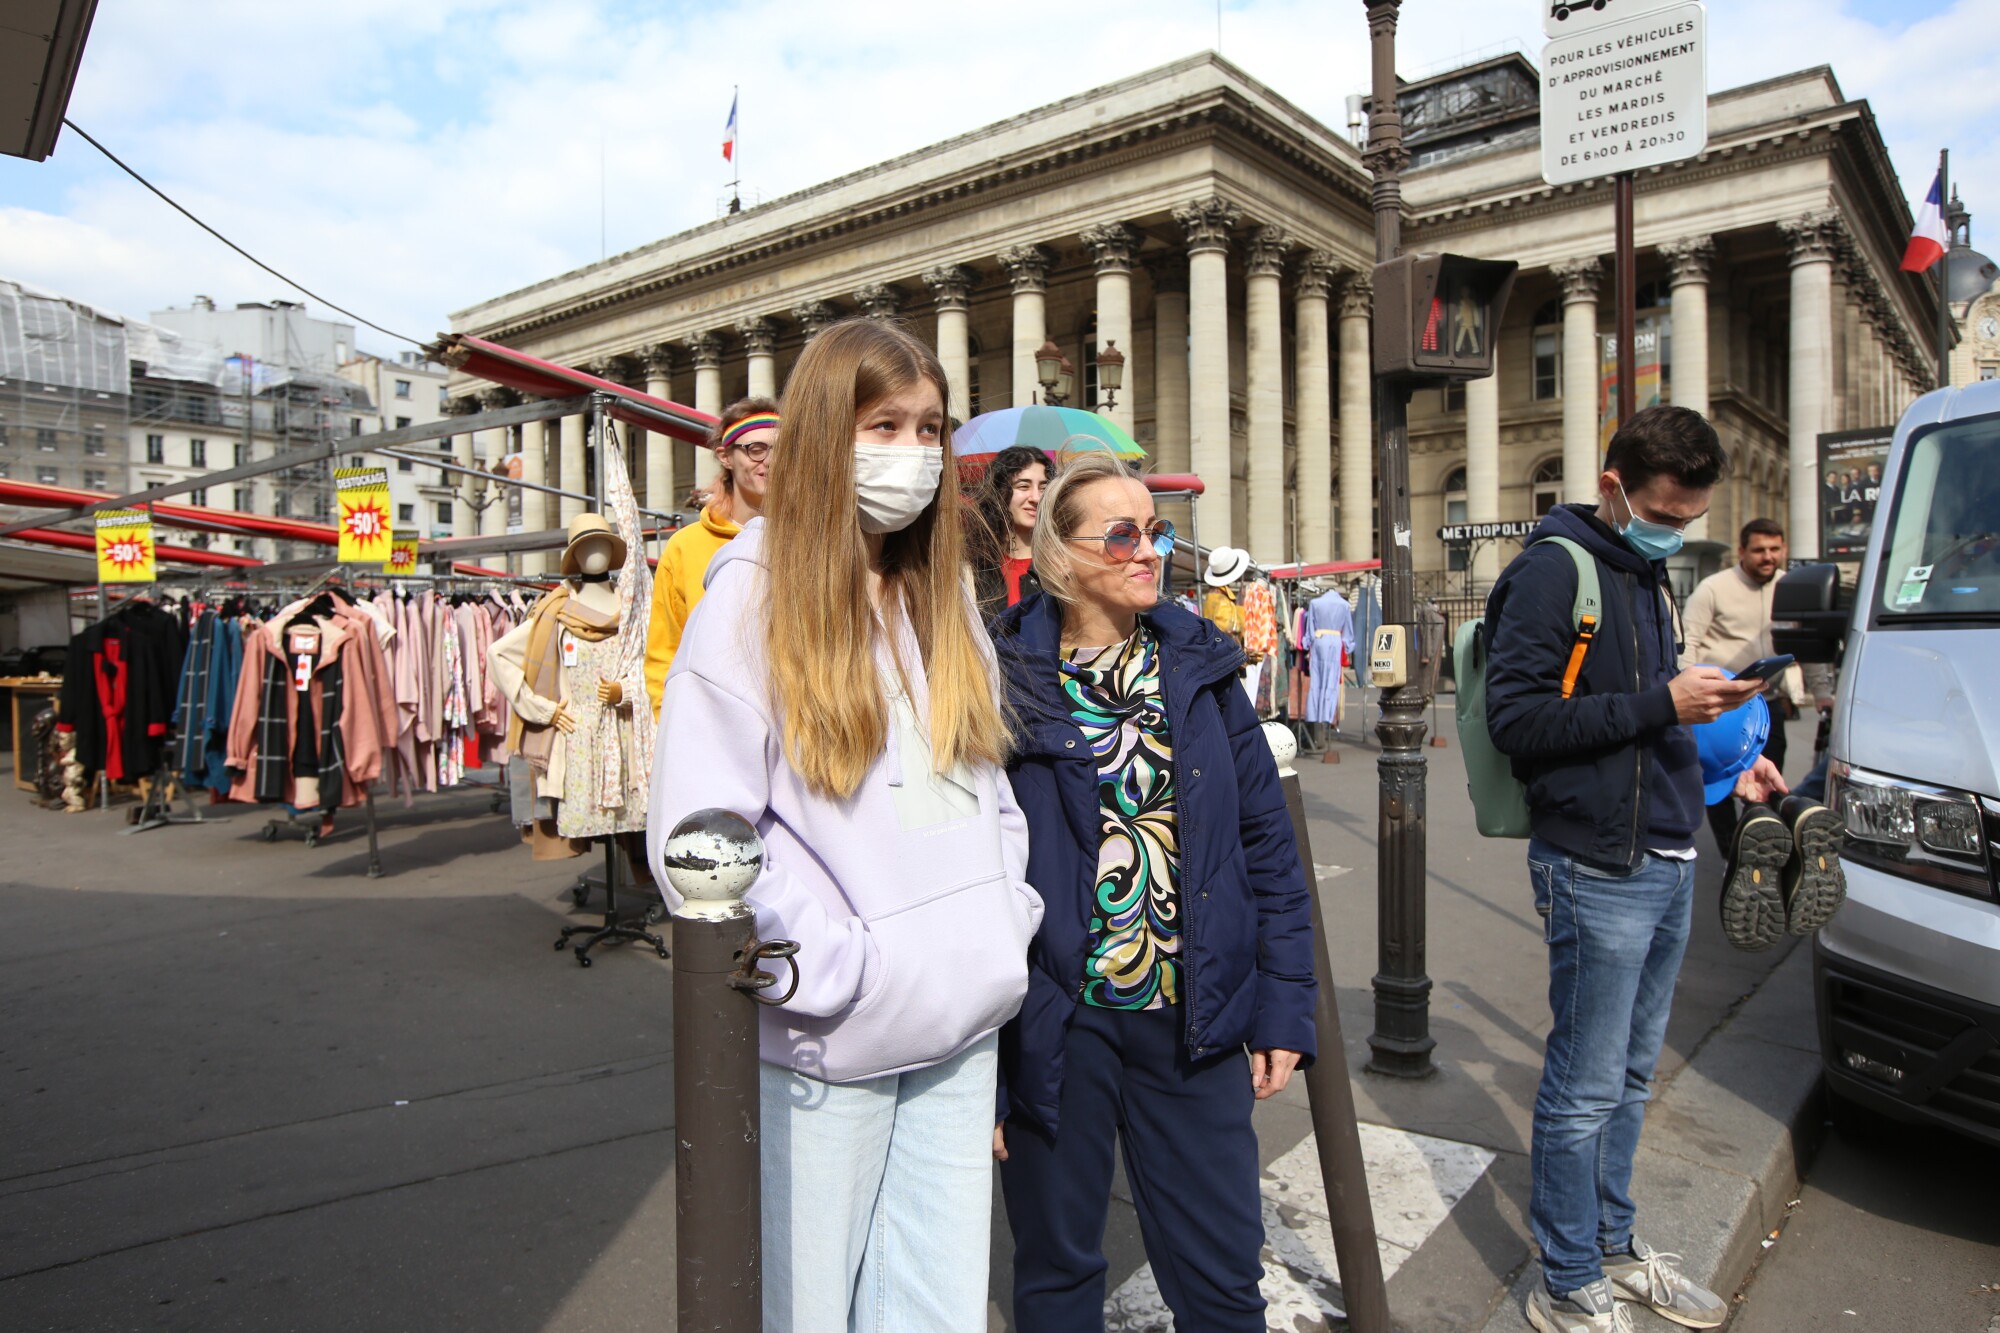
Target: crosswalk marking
[[1414, 1181]]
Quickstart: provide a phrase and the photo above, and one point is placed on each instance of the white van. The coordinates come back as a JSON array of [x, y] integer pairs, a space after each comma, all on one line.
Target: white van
[[1907, 974]]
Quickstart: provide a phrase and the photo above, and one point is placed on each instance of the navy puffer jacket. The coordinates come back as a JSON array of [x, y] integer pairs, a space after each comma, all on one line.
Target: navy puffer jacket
[[1246, 950]]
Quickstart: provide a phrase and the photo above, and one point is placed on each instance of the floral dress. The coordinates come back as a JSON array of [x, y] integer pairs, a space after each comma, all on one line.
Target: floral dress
[[604, 787]]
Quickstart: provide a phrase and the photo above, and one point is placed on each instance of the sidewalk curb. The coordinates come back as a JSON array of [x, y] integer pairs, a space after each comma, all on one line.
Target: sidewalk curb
[[1723, 1143]]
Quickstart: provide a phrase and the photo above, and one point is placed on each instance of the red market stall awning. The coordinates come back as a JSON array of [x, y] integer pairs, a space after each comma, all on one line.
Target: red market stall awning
[[227, 521], [177, 555], [1175, 483], [1317, 571], [546, 379]]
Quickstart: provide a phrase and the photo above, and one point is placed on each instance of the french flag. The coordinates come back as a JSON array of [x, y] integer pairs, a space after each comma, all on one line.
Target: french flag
[[729, 144], [1927, 241]]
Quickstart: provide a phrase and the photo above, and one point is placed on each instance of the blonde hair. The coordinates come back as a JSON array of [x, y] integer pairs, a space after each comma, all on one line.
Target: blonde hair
[[1061, 512], [819, 628]]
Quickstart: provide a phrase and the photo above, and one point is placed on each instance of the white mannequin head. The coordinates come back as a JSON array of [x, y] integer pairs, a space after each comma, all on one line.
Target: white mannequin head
[[593, 555]]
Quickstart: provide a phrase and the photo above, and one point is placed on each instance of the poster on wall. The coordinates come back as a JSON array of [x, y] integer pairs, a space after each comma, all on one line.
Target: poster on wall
[[125, 546], [402, 557], [363, 494], [1850, 479], [1648, 376]]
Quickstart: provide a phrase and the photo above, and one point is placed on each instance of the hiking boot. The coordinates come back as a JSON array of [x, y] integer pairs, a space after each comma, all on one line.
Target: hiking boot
[[1753, 903], [1815, 885], [1654, 1278], [1591, 1309]]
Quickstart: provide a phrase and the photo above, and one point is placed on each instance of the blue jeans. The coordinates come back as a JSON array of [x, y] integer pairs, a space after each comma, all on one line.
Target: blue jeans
[[1615, 944], [878, 1198]]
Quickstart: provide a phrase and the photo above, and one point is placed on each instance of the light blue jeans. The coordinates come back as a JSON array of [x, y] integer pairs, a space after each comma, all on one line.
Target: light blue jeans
[[1615, 945], [878, 1198]]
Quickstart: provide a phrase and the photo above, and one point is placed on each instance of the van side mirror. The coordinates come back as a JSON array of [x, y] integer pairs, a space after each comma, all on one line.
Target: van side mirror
[[1809, 615]]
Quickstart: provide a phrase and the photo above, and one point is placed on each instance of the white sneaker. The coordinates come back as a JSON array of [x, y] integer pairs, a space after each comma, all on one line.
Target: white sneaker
[[1653, 1278], [1591, 1309]]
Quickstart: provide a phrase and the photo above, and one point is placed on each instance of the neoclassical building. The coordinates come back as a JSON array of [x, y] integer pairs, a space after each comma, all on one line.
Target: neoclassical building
[[1221, 238]]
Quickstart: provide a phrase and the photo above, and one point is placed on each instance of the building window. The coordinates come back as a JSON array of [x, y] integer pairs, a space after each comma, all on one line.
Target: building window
[[242, 546], [239, 500], [444, 513], [197, 453], [402, 388], [93, 443], [1548, 366], [93, 479], [236, 454], [45, 439], [402, 423], [405, 465], [406, 513], [357, 460], [199, 498], [1987, 371], [45, 475], [1455, 512], [354, 425], [322, 506], [156, 448], [281, 506], [1546, 483]]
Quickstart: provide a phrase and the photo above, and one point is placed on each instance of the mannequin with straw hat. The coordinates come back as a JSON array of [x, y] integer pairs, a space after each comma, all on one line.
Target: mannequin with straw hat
[[572, 722]]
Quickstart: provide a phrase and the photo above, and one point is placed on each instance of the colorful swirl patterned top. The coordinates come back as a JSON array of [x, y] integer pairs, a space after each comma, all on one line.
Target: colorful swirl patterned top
[[1135, 923]]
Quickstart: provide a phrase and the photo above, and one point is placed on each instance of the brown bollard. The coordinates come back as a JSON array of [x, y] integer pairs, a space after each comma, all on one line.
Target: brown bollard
[[712, 859], [1335, 1130]]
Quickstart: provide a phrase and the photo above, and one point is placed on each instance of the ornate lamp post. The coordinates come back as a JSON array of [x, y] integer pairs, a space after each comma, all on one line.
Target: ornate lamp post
[[1055, 374], [1110, 375]]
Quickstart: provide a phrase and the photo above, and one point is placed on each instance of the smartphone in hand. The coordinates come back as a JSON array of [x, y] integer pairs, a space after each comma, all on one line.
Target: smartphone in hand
[[1765, 668]]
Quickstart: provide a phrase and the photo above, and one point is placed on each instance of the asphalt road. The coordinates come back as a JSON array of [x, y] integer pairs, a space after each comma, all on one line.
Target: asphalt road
[[1895, 1229]]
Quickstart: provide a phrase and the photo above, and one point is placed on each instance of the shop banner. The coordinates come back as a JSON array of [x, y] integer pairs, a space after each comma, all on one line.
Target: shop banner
[[402, 557], [125, 546], [365, 533], [1850, 481], [1646, 337]]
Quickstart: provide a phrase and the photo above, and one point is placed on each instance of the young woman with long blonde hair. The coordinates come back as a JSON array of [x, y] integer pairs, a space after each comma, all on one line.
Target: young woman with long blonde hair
[[835, 688]]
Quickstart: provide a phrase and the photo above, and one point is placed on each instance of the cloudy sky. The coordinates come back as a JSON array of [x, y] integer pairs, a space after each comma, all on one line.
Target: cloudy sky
[[407, 160]]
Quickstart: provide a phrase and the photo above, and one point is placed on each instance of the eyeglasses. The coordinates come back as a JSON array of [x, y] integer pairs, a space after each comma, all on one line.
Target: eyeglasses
[[1121, 539], [755, 451]]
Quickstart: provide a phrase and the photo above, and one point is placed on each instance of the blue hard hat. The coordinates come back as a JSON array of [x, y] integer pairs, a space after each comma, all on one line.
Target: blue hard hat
[[1729, 745]]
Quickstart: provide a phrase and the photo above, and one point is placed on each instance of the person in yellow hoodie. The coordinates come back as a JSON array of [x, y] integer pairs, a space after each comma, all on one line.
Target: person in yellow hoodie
[[742, 440]]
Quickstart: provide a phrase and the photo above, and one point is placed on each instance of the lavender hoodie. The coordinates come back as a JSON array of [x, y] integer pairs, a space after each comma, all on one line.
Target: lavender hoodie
[[912, 940]]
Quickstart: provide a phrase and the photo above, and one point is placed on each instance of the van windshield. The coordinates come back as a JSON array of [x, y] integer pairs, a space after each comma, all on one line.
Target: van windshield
[[1942, 559]]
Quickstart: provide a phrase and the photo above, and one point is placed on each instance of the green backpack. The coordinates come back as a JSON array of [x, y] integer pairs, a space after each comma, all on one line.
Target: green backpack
[[1499, 800]]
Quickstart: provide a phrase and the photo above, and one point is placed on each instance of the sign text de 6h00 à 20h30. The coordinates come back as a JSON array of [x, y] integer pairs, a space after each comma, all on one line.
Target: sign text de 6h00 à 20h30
[[1625, 95]]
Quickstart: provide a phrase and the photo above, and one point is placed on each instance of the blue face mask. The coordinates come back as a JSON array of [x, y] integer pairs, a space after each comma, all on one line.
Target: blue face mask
[[1654, 541]]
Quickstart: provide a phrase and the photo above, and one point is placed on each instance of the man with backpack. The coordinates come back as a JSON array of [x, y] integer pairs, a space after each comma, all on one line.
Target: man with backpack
[[1587, 702]]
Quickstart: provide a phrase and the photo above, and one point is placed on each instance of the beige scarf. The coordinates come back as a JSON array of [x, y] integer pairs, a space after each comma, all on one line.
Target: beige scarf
[[543, 660]]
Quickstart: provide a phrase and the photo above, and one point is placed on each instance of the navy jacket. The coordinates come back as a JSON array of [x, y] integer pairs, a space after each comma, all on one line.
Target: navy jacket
[[1247, 941], [1610, 772]]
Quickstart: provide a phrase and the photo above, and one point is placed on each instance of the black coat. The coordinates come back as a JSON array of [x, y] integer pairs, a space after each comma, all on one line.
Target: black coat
[[1246, 951], [150, 645]]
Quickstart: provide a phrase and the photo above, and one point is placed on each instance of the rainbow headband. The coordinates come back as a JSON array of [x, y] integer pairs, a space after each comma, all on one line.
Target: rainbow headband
[[762, 421]]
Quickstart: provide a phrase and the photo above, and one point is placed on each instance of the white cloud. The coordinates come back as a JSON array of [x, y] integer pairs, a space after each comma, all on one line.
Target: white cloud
[[408, 161]]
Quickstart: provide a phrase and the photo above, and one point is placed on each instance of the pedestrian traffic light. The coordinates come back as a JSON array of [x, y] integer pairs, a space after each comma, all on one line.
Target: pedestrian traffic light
[[1436, 316]]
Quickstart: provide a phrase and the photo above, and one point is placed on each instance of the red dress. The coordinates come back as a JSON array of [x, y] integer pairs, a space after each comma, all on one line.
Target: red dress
[[1012, 569]]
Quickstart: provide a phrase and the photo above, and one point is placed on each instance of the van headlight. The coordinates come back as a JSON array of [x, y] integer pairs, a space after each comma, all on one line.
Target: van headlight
[[1936, 835]]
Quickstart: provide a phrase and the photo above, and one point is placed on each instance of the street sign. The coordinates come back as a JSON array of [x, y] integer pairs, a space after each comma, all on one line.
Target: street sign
[[1630, 93], [1567, 18], [1475, 532]]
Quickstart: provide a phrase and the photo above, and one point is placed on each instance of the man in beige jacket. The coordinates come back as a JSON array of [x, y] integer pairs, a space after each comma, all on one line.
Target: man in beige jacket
[[1727, 624]]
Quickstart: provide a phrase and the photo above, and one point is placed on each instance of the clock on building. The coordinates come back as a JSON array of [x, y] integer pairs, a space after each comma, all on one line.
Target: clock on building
[[1989, 328]]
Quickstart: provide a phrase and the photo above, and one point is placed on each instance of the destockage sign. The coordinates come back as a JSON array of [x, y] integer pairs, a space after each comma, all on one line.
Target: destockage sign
[[1628, 94]]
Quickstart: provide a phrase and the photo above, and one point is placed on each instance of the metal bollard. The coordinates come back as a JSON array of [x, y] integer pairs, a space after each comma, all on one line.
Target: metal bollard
[[1332, 1096], [712, 859]]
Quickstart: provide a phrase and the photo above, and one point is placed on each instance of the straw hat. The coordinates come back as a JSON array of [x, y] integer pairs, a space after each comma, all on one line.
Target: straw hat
[[591, 527], [1226, 565]]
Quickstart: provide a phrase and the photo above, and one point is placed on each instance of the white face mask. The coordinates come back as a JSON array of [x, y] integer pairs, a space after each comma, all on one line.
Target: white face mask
[[893, 483]]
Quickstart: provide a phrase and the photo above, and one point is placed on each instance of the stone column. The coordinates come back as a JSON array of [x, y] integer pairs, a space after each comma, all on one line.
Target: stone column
[[1579, 278], [1028, 269], [814, 316], [491, 447], [658, 360], [760, 344], [1688, 259], [1170, 364], [572, 475], [1482, 465], [1208, 223], [879, 300], [1313, 414], [1264, 352], [706, 349], [1814, 238], [535, 507], [1357, 442], [1113, 245], [951, 288]]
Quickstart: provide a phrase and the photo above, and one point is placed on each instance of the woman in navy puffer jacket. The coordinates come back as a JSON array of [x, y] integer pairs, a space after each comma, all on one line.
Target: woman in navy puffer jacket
[[1177, 931]]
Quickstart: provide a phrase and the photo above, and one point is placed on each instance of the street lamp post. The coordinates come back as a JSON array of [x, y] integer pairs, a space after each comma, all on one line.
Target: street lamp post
[[1110, 374], [1401, 1042], [1055, 373]]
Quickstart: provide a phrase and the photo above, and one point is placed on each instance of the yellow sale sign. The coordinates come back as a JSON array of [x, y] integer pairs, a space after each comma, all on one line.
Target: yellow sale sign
[[365, 533], [402, 557], [125, 546]]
